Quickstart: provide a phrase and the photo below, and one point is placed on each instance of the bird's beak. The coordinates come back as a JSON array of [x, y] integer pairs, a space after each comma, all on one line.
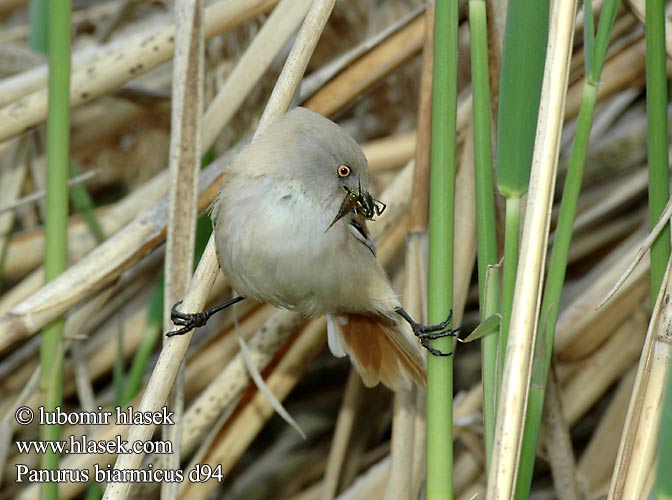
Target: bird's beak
[[349, 203], [361, 202]]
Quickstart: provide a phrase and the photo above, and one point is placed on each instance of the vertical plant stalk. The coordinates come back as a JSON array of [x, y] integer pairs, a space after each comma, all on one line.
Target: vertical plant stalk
[[637, 450], [184, 166], [656, 117], [441, 229], [595, 57], [203, 279], [521, 75], [663, 486], [55, 255], [525, 314], [553, 289], [403, 453], [659, 194], [485, 206]]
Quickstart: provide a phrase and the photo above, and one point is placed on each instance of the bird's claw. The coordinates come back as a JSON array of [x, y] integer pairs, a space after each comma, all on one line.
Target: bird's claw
[[431, 332], [188, 321]]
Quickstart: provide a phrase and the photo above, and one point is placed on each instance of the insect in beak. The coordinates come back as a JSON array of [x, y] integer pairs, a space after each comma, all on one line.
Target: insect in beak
[[361, 202], [367, 205]]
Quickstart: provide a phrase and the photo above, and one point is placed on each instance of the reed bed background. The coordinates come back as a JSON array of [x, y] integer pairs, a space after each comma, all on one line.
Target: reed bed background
[[161, 93]]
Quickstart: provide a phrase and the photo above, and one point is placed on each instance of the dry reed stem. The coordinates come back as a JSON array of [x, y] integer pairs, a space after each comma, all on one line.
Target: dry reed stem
[[235, 439], [405, 457], [273, 35], [621, 192], [639, 441], [420, 199], [12, 174], [582, 328], [297, 61], [403, 454], [556, 442], [184, 165], [352, 395], [391, 152], [597, 461], [467, 470], [518, 363], [663, 222], [173, 352], [138, 56], [97, 269], [363, 73], [318, 78], [604, 367], [26, 251], [605, 235], [369, 484]]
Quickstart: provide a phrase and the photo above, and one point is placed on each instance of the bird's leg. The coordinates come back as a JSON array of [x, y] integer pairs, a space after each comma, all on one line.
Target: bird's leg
[[189, 321], [430, 332]]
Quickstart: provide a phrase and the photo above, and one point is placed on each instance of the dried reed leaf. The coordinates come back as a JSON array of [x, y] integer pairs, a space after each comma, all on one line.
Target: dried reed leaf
[[660, 225], [26, 250], [134, 58], [354, 391], [369, 69], [582, 328], [97, 269], [184, 165], [518, 362], [558, 446], [389, 152], [369, 484], [639, 441], [597, 461], [605, 366], [266, 45]]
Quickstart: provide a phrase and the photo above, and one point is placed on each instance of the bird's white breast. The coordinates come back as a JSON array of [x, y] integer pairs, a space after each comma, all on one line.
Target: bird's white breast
[[273, 246]]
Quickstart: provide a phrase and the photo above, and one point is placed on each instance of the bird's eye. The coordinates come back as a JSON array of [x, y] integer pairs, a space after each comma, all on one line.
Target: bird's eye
[[343, 171]]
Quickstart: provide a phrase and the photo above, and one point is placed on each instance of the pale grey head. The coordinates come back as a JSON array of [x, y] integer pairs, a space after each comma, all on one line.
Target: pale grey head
[[314, 152]]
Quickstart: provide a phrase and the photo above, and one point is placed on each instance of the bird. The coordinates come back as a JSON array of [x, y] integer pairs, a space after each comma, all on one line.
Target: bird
[[290, 229]]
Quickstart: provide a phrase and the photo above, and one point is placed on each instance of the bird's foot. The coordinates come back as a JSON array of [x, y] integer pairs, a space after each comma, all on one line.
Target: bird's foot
[[430, 332], [189, 321]]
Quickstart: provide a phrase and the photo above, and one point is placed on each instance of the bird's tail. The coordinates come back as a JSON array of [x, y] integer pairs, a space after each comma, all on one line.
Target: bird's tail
[[380, 349]]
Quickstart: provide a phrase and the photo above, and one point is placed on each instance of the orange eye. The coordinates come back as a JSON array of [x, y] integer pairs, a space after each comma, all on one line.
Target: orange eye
[[343, 171]]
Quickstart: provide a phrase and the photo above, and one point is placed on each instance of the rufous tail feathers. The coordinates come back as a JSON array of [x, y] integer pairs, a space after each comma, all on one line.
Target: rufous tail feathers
[[379, 348]]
